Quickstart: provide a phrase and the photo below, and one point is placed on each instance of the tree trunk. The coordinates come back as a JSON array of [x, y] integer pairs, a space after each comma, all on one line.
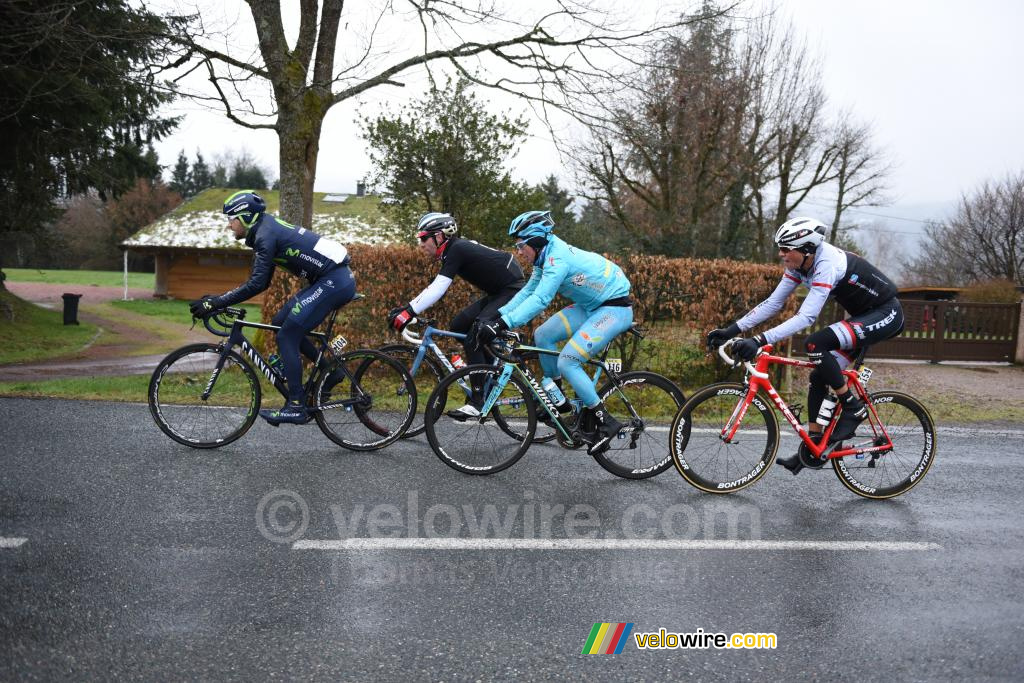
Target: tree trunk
[[298, 130]]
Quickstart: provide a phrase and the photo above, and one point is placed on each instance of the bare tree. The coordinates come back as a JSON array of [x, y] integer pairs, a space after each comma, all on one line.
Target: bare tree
[[982, 241], [553, 57], [861, 171], [666, 159], [714, 149]]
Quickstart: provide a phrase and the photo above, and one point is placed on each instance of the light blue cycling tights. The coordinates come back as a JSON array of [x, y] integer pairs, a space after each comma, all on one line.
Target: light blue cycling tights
[[588, 333]]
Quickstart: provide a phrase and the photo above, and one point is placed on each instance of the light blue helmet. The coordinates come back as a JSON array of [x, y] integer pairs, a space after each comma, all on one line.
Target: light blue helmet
[[531, 224]]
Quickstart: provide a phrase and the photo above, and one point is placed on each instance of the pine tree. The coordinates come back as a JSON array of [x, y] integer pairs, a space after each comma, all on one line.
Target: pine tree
[[181, 179], [201, 178]]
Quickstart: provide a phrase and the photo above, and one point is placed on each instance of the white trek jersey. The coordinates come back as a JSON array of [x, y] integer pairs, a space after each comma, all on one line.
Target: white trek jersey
[[827, 271]]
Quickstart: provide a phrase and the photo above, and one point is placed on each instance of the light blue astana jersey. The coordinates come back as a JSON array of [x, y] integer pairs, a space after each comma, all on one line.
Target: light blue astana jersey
[[585, 278]]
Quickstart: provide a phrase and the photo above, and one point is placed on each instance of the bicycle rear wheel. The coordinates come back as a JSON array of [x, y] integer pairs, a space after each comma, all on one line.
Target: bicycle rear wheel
[[366, 402], [426, 378], [644, 451], [175, 396], [910, 426], [483, 445], [710, 463]]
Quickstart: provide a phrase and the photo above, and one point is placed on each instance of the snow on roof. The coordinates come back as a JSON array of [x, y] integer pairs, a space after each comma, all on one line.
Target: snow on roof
[[209, 230]]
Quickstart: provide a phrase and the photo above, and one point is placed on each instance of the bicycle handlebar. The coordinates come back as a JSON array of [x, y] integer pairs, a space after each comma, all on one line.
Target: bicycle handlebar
[[231, 313], [507, 340], [734, 363], [410, 336]]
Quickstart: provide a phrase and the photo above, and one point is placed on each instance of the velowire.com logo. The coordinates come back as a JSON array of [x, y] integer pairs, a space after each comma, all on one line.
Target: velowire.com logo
[[607, 638]]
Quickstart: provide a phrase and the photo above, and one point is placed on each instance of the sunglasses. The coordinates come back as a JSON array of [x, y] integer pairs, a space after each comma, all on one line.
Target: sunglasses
[[785, 250], [520, 245]]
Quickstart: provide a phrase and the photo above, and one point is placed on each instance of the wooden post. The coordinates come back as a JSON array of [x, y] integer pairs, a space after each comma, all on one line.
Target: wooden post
[[163, 264], [1019, 356], [940, 331]]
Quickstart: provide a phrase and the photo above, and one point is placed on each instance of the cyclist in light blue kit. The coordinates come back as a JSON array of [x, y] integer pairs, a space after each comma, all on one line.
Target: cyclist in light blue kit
[[601, 309]]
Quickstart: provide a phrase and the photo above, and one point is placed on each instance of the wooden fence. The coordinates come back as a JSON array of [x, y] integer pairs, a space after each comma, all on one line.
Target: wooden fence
[[943, 330]]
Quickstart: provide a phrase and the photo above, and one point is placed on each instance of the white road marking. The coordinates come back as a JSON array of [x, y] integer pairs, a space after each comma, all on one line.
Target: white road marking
[[597, 544], [11, 542]]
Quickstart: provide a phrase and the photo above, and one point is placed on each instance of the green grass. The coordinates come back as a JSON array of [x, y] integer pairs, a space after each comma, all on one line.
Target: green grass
[[130, 388], [174, 310], [32, 332], [100, 278]]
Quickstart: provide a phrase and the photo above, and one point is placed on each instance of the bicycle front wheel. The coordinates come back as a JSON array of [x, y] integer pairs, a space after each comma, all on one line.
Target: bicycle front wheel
[[910, 426], [704, 458], [426, 378], [366, 402], [176, 396], [641, 451], [487, 444]]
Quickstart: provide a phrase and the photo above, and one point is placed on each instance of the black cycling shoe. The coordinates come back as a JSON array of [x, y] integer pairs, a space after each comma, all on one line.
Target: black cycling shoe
[[801, 459], [605, 429], [291, 413], [854, 412]]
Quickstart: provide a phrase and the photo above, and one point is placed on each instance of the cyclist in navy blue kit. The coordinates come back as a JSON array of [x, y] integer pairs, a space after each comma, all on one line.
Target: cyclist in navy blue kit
[[321, 261], [868, 296], [493, 272]]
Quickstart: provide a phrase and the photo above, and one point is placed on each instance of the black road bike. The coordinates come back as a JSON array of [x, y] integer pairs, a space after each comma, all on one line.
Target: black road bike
[[208, 395]]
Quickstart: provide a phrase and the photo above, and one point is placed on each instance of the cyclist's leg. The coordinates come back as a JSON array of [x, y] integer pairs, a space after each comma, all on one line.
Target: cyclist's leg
[[816, 392], [555, 330], [463, 323], [859, 331], [304, 312], [589, 340]]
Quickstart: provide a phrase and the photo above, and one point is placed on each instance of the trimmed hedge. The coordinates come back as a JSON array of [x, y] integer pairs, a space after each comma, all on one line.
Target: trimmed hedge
[[676, 300]]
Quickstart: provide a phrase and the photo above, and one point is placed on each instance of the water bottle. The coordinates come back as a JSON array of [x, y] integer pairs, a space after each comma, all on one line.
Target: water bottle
[[457, 362], [274, 361], [825, 412], [553, 392]]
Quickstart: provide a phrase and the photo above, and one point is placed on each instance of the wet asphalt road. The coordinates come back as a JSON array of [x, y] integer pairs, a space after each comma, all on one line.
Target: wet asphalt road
[[148, 560]]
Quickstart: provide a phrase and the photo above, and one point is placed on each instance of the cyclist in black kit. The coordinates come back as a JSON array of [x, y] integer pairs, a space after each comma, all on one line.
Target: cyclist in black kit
[[496, 273], [323, 262], [869, 298]]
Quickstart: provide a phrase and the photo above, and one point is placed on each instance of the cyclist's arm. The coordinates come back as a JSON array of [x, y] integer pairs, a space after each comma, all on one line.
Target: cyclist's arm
[[521, 295], [541, 294], [431, 295], [770, 306], [259, 278], [821, 283]]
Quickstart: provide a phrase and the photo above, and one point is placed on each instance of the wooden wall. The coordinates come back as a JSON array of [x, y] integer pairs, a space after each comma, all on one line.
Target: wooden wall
[[191, 275]]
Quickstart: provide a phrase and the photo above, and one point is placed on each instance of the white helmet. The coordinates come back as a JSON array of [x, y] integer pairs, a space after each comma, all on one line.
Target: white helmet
[[803, 234]]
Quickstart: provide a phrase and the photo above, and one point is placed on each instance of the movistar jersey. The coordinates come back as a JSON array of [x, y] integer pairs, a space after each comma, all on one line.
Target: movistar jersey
[[855, 284], [297, 250], [583, 277]]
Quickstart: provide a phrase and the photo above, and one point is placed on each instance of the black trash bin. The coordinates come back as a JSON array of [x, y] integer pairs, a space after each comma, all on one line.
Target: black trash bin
[[71, 308]]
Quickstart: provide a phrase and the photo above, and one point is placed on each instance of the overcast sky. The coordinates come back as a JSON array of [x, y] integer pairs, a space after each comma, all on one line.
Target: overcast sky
[[940, 81]]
